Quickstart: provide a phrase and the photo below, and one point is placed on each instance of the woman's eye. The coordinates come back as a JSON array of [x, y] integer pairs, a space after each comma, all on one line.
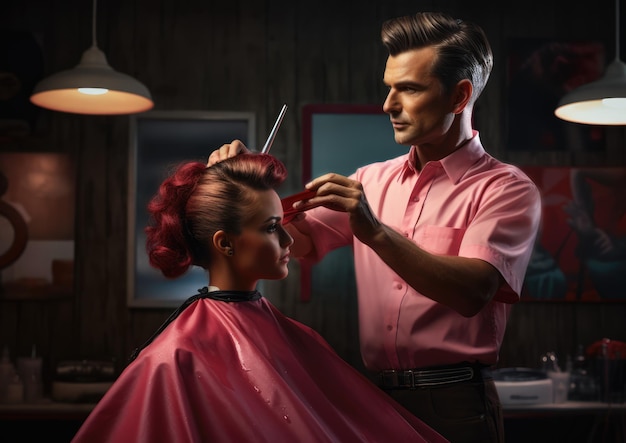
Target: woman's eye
[[272, 228]]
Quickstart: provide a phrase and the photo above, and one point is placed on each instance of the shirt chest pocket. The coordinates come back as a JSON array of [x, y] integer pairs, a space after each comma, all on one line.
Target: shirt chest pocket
[[440, 240]]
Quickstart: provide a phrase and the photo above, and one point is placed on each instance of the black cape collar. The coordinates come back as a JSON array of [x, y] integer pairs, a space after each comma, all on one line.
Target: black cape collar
[[232, 296], [227, 296]]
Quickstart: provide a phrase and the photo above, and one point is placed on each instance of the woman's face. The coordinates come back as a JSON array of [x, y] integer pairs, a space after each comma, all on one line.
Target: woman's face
[[261, 250]]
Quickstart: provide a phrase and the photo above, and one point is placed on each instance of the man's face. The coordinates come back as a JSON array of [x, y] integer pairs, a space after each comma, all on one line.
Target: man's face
[[420, 110]]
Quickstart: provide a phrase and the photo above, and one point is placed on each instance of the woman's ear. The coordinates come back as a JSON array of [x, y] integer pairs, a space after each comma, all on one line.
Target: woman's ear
[[462, 95], [222, 243]]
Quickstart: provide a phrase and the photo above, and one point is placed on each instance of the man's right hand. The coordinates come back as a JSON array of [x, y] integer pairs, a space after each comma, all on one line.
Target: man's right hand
[[236, 147]]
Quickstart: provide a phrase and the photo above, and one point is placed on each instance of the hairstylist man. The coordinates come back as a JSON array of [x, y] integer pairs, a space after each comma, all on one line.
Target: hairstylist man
[[442, 235]]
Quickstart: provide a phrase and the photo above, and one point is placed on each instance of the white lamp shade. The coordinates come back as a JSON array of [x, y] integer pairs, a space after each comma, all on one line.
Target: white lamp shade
[[602, 102], [119, 93]]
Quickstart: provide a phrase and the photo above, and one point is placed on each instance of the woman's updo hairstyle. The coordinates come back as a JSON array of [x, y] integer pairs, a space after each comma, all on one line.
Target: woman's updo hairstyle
[[196, 201]]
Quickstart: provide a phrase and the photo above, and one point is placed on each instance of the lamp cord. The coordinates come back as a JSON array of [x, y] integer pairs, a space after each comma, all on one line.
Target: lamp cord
[[93, 25], [617, 50]]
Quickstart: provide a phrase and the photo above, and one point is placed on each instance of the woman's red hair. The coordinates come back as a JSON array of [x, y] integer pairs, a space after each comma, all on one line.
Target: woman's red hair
[[196, 201]]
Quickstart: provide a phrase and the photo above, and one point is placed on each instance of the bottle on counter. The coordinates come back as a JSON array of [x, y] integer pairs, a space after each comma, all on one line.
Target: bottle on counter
[[583, 385], [15, 390], [7, 374], [29, 370]]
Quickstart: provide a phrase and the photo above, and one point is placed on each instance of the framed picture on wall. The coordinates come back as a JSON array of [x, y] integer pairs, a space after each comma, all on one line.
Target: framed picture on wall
[[37, 193], [580, 253], [160, 140], [340, 138]]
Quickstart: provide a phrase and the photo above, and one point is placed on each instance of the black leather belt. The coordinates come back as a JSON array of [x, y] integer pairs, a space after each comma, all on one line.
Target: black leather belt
[[431, 377]]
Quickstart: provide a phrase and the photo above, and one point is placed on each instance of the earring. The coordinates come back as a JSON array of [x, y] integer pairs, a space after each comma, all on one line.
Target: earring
[[230, 252]]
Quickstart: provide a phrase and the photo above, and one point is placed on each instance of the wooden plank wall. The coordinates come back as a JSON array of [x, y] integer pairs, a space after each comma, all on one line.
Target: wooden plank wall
[[251, 55]]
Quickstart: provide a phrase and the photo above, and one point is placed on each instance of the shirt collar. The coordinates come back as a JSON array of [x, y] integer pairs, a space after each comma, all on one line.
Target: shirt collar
[[455, 164]]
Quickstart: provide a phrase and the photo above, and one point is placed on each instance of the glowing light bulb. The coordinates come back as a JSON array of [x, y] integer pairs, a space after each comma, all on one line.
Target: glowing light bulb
[[93, 91], [615, 102]]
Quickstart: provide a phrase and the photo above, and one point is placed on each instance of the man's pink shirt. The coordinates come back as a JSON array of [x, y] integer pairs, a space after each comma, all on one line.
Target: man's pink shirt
[[468, 204]]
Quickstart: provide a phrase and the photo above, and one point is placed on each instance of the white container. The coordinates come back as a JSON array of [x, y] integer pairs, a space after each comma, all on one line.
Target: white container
[[529, 392]]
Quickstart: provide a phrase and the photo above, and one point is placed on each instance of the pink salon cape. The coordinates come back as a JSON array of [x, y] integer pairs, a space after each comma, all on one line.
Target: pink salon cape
[[244, 372]]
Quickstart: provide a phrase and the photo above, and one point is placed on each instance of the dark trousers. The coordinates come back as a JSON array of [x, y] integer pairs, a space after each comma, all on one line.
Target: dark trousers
[[461, 412]]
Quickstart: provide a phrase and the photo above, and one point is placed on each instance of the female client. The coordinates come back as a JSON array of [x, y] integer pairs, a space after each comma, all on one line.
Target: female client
[[227, 366]]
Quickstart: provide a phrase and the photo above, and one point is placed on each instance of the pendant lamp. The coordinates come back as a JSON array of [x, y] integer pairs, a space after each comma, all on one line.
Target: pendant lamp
[[92, 87], [602, 102]]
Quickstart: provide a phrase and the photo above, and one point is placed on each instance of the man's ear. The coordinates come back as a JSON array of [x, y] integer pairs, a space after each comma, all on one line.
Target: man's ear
[[222, 243], [462, 95]]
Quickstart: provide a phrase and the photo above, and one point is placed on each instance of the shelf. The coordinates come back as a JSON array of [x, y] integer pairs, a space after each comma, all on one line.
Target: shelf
[[566, 408], [45, 409], [34, 290]]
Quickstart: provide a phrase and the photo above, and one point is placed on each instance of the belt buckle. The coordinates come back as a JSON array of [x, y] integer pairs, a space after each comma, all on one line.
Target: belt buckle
[[398, 379], [406, 379], [389, 377]]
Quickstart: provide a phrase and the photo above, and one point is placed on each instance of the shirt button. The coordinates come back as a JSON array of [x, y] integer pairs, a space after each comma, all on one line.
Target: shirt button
[[416, 198], [398, 285], [389, 327]]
